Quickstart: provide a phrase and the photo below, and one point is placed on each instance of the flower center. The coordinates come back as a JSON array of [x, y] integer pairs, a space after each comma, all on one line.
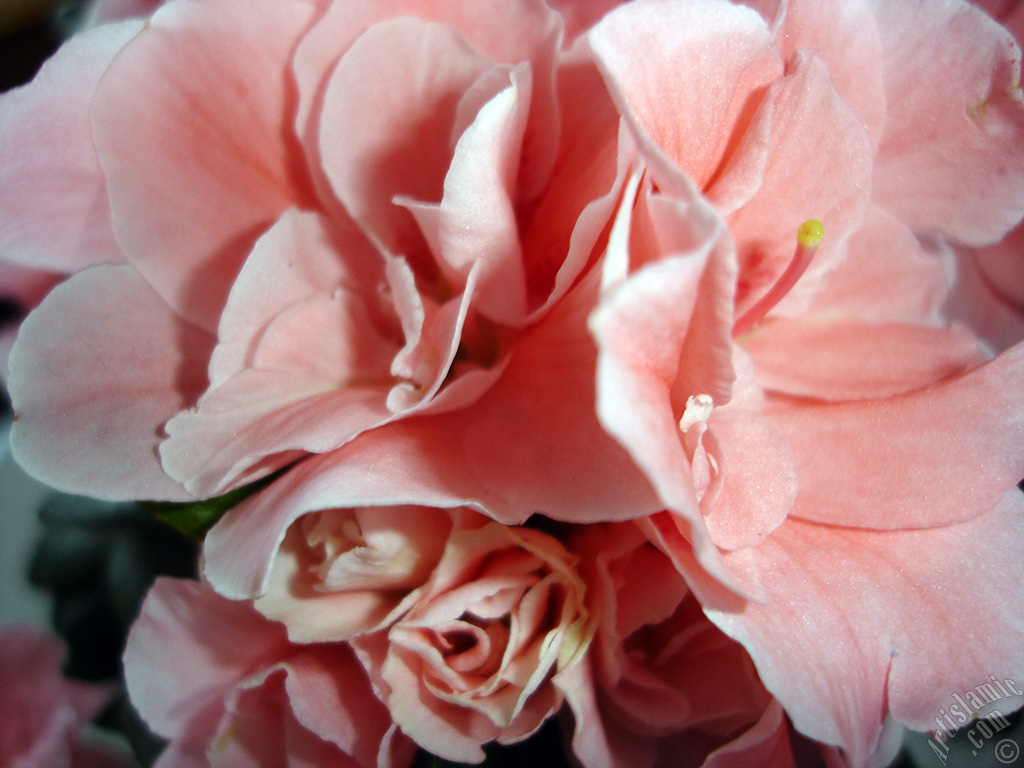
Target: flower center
[[808, 237]]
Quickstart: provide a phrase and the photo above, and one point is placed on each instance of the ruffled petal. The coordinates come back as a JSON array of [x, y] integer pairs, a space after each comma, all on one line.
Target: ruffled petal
[[196, 149], [704, 68], [171, 676]]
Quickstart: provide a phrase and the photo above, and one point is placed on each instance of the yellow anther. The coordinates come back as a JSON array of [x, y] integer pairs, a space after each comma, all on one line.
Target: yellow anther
[[810, 233]]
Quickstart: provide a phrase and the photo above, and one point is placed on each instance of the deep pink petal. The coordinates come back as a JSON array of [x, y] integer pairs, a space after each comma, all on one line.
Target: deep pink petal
[[188, 648], [937, 456], [1002, 265], [54, 211], [330, 695], [91, 400], [765, 745], [196, 149], [950, 158]]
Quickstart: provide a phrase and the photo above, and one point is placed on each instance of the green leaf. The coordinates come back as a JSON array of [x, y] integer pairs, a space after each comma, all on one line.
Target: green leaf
[[195, 518]]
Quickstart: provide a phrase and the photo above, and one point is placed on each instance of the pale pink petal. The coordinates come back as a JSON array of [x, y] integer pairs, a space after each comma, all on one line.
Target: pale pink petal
[[188, 211], [838, 358], [388, 466], [477, 218], [887, 275], [188, 648], [561, 232], [54, 211], [301, 256], [702, 71], [933, 457], [637, 390], [259, 419], [21, 289], [91, 400], [845, 36], [534, 440], [507, 31], [402, 145], [858, 621], [950, 157], [759, 482], [366, 582], [818, 167]]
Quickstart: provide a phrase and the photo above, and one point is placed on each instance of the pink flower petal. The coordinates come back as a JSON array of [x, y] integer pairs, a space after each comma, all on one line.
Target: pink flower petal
[[703, 68], [831, 358], [533, 439], [507, 31], [932, 457], [90, 399], [300, 257], [950, 158], [818, 167], [54, 213], [188, 211], [887, 275], [477, 221], [385, 467], [402, 146], [858, 621], [176, 666], [765, 745], [845, 36]]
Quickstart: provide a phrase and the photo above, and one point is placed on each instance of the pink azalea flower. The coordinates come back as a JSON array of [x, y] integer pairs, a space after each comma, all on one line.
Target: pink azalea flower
[[848, 458], [480, 652], [43, 713], [465, 625], [662, 685], [414, 265], [486, 255], [228, 689]]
